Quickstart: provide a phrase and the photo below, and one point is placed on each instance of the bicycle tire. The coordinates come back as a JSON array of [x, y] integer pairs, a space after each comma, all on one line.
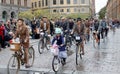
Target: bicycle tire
[[31, 55], [18, 65], [77, 55], [80, 52], [39, 46], [53, 63], [47, 45]]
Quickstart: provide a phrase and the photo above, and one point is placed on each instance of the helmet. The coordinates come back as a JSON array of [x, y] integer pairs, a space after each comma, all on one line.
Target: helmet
[[58, 31]]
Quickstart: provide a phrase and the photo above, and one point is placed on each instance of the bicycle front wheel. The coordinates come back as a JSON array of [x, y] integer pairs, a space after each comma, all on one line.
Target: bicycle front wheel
[[41, 46], [55, 64], [31, 56], [13, 66], [77, 54]]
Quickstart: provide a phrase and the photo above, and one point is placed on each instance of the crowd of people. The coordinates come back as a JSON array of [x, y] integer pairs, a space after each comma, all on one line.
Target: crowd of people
[[83, 27]]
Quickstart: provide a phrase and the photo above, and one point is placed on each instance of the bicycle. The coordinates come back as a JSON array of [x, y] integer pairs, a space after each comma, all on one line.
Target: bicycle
[[43, 42], [78, 48], [68, 41], [17, 58], [56, 59]]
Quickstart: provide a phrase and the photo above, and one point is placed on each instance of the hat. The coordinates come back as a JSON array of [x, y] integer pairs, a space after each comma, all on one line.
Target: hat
[[79, 19]]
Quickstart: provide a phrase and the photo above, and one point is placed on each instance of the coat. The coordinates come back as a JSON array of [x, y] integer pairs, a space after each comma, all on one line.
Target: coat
[[2, 30], [23, 34], [47, 26]]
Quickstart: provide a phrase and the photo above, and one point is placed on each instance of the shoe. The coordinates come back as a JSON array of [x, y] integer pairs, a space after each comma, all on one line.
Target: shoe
[[27, 66]]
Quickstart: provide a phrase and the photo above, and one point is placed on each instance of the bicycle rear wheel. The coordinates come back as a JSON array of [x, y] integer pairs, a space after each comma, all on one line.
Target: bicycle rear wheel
[[13, 66], [31, 56], [55, 64], [41, 46]]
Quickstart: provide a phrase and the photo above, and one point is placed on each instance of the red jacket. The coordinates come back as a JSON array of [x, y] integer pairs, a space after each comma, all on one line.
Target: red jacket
[[2, 29]]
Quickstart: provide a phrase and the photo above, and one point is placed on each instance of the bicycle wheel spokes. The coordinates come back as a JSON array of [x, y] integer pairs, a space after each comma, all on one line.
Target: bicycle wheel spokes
[[41, 46], [31, 56], [13, 65], [55, 64]]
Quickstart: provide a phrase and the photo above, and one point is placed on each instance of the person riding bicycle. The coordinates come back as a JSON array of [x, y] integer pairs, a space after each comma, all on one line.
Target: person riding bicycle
[[60, 42], [104, 28], [45, 27], [87, 31], [23, 34], [79, 31], [96, 27]]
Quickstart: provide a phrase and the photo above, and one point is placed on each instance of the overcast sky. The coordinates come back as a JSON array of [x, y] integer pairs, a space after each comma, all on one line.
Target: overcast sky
[[100, 4]]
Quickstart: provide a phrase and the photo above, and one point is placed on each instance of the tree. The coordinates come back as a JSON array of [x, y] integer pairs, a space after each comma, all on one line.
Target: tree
[[102, 13], [26, 15], [40, 13]]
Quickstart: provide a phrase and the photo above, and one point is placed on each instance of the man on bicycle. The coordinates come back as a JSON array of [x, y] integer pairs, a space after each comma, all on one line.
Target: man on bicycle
[[96, 27], [104, 28], [45, 25], [78, 30]]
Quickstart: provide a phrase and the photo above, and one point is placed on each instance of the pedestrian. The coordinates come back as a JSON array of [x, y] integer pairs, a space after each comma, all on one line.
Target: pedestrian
[[2, 30]]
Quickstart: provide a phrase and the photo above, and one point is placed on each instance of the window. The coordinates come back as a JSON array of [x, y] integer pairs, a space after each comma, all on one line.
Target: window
[[54, 2], [35, 4], [42, 2], [32, 5], [83, 9], [3, 1], [68, 1], [83, 1], [25, 2], [75, 1], [11, 1], [46, 2], [19, 2], [62, 10], [61, 2], [39, 3], [68, 10], [75, 10], [54, 10]]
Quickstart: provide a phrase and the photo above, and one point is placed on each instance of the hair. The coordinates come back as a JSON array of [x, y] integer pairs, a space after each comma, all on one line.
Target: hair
[[23, 23]]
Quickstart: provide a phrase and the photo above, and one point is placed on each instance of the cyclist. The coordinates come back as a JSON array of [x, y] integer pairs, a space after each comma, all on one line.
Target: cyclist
[[104, 28], [60, 42], [79, 30], [96, 27], [45, 27], [87, 26], [23, 34]]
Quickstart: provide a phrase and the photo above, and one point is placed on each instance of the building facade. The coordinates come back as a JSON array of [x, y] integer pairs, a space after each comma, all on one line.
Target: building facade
[[113, 9], [65, 6], [11, 8]]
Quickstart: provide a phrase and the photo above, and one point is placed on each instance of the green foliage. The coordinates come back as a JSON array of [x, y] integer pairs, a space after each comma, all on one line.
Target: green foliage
[[39, 13], [26, 14], [102, 13]]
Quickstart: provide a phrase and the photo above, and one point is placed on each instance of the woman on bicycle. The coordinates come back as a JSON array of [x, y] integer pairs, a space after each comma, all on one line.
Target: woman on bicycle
[[60, 42], [23, 34]]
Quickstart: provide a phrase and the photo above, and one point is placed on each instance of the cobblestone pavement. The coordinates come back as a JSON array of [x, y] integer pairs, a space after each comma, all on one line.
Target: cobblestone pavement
[[103, 60]]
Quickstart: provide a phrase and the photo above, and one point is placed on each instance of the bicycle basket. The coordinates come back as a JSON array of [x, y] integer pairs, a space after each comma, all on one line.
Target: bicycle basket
[[55, 50], [15, 46], [78, 38]]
